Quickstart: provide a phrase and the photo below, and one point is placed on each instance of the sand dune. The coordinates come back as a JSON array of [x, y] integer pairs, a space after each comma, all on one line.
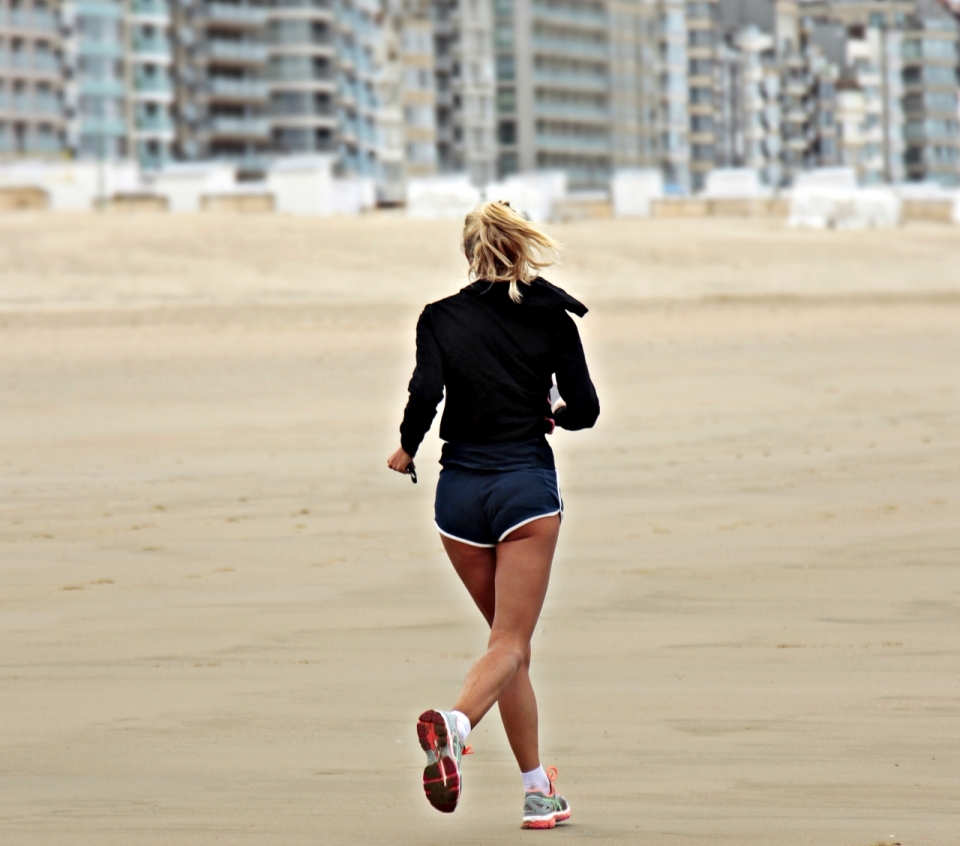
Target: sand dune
[[220, 614]]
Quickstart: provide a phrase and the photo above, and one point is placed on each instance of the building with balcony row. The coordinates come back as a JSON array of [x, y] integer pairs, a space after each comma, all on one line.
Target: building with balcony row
[[31, 79], [396, 89]]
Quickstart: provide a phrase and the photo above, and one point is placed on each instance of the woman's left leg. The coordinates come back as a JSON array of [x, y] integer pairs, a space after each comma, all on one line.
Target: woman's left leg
[[476, 567], [521, 578]]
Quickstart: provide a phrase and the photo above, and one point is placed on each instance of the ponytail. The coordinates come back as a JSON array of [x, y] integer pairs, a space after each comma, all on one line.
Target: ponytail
[[502, 246]]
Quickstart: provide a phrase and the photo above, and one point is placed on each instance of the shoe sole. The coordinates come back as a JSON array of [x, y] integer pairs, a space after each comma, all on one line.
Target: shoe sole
[[441, 779], [547, 823]]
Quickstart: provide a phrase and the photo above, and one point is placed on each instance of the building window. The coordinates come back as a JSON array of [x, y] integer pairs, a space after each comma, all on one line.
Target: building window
[[507, 132], [506, 67]]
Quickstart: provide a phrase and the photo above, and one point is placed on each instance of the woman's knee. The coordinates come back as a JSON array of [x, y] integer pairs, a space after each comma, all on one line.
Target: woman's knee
[[511, 648]]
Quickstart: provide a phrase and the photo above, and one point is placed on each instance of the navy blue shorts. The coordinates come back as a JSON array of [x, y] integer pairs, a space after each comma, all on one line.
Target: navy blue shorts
[[482, 507]]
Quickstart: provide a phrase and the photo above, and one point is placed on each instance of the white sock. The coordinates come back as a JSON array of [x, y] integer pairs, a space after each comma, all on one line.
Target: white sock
[[463, 725], [536, 780]]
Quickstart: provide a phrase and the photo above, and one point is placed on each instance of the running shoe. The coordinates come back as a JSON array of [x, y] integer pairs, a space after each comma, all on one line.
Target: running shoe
[[541, 810], [440, 739]]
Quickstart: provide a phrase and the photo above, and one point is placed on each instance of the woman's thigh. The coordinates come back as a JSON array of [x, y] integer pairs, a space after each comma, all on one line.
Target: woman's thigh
[[508, 583], [521, 576], [476, 567]]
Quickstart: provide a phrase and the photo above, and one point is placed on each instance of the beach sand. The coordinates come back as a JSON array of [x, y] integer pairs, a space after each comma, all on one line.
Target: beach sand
[[220, 615]]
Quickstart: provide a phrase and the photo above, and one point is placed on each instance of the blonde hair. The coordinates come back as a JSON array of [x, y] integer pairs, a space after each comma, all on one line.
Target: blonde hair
[[503, 246]]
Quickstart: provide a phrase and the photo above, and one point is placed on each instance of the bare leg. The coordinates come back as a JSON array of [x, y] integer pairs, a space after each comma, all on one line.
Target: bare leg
[[518, 704], [509, 587]]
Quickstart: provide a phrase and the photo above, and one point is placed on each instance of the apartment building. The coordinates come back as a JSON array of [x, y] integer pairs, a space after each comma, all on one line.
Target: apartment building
[[300, 84], [357, 33], [861, 104], [903, 55], [222, 58], [930, 89], [703, 41], [31, 79], [419, 91], [118, 85], [466, 88], [634, 97], [553, 88], [752, 135]]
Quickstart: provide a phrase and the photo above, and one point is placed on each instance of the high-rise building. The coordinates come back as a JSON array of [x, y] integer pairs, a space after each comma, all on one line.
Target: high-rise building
[[31, 79], [930, 89], [634, 97], [466, 89], [703, 42], [222, 58], [118, 85], [861, 106], [902, 54], [418, 90], [752, 114], [300, 79], [553, 88]]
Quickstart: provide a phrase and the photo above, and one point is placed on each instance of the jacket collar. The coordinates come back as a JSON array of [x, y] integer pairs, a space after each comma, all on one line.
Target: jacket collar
[[538, 294]]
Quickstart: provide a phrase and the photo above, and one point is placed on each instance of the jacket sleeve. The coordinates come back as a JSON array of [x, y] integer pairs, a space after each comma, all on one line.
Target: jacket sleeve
[[426, 387], [582, 408]]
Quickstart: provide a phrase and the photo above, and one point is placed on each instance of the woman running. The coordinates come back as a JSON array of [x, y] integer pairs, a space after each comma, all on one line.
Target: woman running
[[494, 348]]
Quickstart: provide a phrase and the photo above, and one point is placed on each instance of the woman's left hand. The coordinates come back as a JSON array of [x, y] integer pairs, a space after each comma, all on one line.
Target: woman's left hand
[[400, 461]]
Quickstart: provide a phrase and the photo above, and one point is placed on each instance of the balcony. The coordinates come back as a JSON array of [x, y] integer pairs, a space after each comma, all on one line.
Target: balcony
[[234, 15], [239, 127], [101, 48], [21, 104], [102, 126], [237, 52], [154, 124], [154, 9], [302, 9], [236, 89], [592, 81], [573, 111], [305, 116], [306, 41], [574, 143], [102, 87], [322, 5], [35, 21], [153, 86], [570, 17], [292, 78], [42, 63], [570, 47], [152, 46], [152, 162]]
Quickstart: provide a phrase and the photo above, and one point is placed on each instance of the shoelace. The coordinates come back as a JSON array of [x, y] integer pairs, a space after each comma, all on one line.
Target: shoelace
[[467, 750], [552, 773]]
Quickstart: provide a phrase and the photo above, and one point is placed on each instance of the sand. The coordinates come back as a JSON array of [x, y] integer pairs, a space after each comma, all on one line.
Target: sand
[[220, 614]]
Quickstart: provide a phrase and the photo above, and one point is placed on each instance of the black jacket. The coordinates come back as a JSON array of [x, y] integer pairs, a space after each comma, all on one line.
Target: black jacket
[[496, 358]]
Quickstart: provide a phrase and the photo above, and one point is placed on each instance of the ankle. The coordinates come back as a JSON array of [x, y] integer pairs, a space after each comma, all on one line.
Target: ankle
[[463, 725], [536, 780]]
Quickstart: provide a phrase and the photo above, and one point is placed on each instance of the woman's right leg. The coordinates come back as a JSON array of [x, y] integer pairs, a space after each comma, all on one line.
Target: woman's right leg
[[519, 584]]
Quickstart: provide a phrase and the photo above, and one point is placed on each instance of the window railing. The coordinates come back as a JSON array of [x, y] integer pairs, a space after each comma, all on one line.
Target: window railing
[[232, 13], [239, 126], [238, 51], [154, 123], [239, 88]]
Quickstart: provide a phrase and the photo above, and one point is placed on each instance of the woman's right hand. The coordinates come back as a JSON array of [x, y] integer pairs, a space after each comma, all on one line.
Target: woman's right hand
[[400, 461]]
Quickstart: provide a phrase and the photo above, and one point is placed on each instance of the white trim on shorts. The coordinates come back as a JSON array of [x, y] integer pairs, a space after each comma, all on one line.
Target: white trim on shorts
[[528, 520], [463, 540], [539, 516]]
